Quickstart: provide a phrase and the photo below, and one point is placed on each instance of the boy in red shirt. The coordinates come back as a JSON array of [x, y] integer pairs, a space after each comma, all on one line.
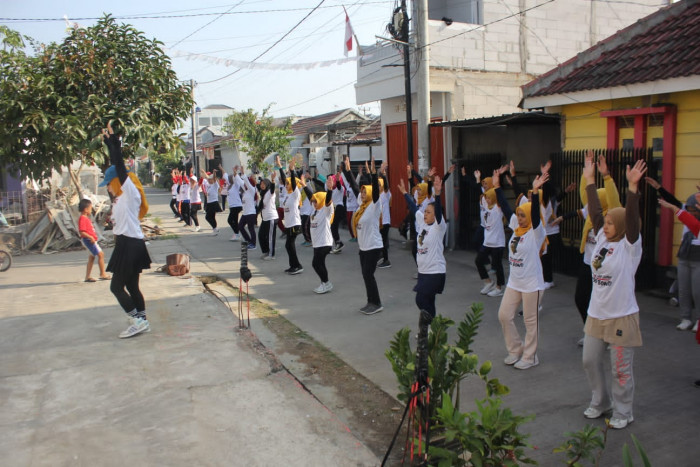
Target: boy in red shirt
[[89, 238]]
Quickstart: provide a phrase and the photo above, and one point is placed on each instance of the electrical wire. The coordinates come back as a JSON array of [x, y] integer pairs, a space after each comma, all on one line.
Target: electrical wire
[[271, 47], [207, 24]]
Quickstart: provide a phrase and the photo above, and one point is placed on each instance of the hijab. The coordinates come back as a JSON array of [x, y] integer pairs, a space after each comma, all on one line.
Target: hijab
[[320, 198], [588, 225], [368, 199], [421, 192], [116, 187], [618, 219], [487, 183], [490, 197]]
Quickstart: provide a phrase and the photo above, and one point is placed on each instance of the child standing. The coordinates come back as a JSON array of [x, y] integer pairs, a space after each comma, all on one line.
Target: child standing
[[89, 238]]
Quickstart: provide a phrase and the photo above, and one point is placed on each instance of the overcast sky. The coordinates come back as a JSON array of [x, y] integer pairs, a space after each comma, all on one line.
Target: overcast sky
[[238, 30]]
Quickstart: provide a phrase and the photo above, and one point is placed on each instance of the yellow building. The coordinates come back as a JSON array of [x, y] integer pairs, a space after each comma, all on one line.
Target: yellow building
[[640, 88]]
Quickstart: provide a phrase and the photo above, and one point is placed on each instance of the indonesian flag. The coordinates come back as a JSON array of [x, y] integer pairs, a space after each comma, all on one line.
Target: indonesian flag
[[348, 33]]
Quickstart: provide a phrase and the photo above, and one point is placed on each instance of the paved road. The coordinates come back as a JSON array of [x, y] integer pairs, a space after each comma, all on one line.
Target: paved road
[[556, 392]]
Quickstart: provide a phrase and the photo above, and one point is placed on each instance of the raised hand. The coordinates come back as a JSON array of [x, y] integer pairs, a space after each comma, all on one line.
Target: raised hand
[[665, 204], [496, 179], [452, 168], [437, 185], [634, 174], [477, 175], [602, 165], [570, 188], [464, 171], [556, 221], [589, 168], [652, 183], [402, 187], [544, 168], [346, 160], [512, 169], [372, 165], [539, 181], [431, 172]]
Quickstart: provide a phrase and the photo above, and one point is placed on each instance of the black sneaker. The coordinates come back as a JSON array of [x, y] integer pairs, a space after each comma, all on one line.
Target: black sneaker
[[298, 270], [289, 270], [338, 246], [384, 264], [365, 308], [371, 309]]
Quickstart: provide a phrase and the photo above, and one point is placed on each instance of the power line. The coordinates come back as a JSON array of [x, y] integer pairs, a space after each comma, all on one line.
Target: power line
[[272, 46], [207, 24]]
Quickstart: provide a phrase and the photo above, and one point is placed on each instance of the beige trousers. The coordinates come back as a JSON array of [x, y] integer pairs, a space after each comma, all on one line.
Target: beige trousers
[[506, 315]]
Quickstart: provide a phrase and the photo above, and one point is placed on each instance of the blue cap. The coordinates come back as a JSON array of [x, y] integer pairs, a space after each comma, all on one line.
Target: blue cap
[[110, 174]]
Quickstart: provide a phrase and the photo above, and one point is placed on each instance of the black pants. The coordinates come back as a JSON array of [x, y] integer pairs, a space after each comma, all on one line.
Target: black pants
[[211, 209], [173, 207], [496, 256], [194, 209], [185, 212], [553, 248], [267, 236], [233, 218], [319, 262], [306, 227], [584, 288], [338, 217], [385, 241], [427, 287], [223, 201], [290, 246], [368, 264], [248, 221], [131, 298]]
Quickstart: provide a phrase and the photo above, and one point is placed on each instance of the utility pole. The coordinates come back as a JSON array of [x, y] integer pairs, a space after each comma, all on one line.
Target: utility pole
[[194, 134], [403, 37], [423, 88]]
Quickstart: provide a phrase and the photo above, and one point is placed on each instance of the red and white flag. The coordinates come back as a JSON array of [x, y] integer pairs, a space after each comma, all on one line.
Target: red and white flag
[[348, 33]]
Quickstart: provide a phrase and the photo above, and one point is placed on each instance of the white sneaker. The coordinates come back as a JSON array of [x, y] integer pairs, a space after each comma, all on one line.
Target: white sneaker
[[695, 328], [197, 229], [511, 359], [592, 412], [487, 288], [235, 238], [685, 325], [523, 365], [496, 292], [320, 289], [329, 286], [548, 285], [215, 232], [620, 423], [136, 326]]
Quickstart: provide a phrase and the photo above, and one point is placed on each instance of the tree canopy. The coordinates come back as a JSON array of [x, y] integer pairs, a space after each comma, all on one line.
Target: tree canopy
[[258, 134], [54, 103]]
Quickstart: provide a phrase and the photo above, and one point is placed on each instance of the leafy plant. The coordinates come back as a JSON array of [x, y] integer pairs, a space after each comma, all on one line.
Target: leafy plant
[[586, 444], [627, 455]]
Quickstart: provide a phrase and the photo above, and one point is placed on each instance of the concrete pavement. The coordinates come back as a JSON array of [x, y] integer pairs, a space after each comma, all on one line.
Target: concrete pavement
[[556, 392]]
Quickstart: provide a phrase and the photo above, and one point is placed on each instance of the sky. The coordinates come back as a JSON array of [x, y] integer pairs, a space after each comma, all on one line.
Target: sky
[[240, 31]]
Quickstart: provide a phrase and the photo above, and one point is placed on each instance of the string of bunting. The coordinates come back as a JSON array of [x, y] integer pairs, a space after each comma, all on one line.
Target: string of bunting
[[263, 66]]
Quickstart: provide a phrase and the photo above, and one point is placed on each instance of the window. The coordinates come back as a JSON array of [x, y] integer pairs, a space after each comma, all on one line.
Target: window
[[460, 11], [628, 144], [204, 121], [216, 121]]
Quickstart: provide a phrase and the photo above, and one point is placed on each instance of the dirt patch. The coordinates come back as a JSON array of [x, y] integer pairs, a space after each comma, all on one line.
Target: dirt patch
[[369, 412]]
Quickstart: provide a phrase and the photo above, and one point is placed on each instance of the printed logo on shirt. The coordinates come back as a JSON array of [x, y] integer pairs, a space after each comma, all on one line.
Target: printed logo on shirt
[[514, 244], [600, 257], [604, 280], [591, 239], [422, 251], [421, 237], [486, 216]]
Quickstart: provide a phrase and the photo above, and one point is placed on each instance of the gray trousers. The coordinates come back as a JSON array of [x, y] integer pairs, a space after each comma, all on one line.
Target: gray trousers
[[689, 288], [621, 360]]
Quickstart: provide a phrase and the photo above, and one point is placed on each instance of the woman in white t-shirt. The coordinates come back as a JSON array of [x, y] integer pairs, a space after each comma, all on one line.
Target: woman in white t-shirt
[[249, 215], [211, 187], [292, 216], [493, 245], [305, 212], [195, 200], [525, 281], [267, 235], [431, 228], [130, 255], [173, 192], [320, 222], [351, 204], [365, 222], [385, 200], [235, 205], [613, 313]]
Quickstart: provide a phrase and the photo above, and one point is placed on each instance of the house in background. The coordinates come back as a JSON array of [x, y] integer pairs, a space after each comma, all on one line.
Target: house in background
[[640, 88], [481, 52]]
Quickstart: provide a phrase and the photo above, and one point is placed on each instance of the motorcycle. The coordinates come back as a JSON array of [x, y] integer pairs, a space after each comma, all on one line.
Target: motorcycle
[[5, 259]]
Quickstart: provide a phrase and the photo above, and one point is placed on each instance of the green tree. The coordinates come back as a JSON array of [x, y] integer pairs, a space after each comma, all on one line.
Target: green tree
[[258, 134], [55, 103]]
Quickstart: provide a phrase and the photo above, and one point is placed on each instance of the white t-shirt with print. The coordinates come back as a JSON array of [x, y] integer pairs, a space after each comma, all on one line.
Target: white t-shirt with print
[[125, 211], [269, 210], [385, 199], [492, 222], [195, 191], [351, 203], [320, 226], [234, 193], [337, 196], [306, 209], [549, 216], [430, 247], [212, 190], [524, 259], [248, 197], [173, 190], [291, 208], [281, 194], [368, 235], [613, 266], [185, 191]]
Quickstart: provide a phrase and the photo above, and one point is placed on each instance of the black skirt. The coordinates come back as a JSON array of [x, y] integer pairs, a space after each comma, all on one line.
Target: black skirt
[[130, 256]]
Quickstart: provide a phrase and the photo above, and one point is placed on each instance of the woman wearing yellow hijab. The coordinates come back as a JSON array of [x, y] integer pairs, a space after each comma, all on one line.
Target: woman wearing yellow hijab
[[366, 222], [292, 216], [525, 282], [130, 255], [612, 326], [320, 222]]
